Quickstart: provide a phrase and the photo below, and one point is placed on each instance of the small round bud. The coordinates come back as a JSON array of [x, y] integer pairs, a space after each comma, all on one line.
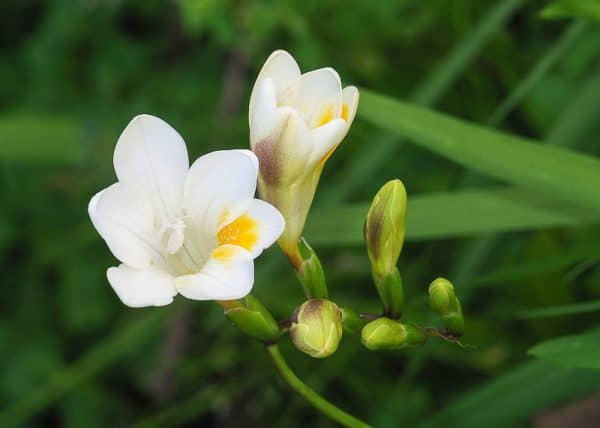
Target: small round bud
[[441, 294], [443, 300], [317, 328], [384, 333]]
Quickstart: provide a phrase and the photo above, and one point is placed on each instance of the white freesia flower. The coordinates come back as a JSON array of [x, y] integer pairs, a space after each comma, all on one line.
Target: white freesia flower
[[296, 122], [180, 229]]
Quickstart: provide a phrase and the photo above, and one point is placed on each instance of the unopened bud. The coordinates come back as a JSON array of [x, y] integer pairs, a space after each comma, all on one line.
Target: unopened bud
[[443, 300], [384, 227], [253, 319], [384, 333], [310, 272], [384, 236], [317, 328]]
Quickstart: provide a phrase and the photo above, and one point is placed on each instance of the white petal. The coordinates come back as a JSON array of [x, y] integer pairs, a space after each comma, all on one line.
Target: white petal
[[227, 275], [142, 287], [270, 224], [326, 138], [219, 180], [350, 96], [124, 219], [92, 206], [263, 115], [151, 155], [250, 155], [283, 156], [317, 94], [282, 68]]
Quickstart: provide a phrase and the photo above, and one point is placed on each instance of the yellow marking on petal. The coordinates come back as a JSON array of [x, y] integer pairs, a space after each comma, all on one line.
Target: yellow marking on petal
[[224, 216], [326, 116], [326, 156], [223, 253], [345, 111], [242, 232]]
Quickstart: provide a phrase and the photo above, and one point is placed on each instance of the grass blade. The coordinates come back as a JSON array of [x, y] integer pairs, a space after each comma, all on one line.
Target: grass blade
[[537, 73], [98, 358], [511, 399], [581, 350], [562, 173], [448, 215], [561, 311], [427, 93]]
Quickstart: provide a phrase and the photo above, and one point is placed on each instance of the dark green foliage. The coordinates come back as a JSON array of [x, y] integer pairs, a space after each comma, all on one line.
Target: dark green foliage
[[73, 73]]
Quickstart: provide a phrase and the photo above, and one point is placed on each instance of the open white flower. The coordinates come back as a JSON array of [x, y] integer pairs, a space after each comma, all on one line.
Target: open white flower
[[180, 229], [296, 122]]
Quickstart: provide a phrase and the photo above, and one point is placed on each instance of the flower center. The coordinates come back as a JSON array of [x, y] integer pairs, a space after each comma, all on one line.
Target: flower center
[[172, 235], [242, 232]]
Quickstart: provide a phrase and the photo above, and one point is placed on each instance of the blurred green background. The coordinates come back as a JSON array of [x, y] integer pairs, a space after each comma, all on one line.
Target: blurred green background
[[73, 73]]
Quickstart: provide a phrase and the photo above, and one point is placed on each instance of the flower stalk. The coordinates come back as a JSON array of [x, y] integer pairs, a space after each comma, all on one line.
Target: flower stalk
[[320, 403]]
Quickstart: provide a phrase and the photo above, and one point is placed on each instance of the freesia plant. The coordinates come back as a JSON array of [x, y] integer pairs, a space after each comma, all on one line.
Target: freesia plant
[[195, 230]]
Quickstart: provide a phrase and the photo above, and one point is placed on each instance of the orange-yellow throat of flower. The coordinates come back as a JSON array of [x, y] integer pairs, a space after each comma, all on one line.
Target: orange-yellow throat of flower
[[242, 232]]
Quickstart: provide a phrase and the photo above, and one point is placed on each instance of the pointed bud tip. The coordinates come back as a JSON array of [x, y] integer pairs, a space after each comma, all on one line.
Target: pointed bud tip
[[384, 228]]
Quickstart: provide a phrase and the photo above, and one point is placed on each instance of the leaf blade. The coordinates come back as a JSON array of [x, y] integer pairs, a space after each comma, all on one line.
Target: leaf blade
[[559, 172], [450, 215]]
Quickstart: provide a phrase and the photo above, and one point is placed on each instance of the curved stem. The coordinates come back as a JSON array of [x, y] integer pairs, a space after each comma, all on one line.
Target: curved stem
[[311, 396]]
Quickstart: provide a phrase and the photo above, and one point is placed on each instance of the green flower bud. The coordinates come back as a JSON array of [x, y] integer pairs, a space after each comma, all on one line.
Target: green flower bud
[[351, 321], [443, 300], [384, 333], [384, 236], [441, 295], [384, 227], [317, 328], [253, 319], [310, 272]]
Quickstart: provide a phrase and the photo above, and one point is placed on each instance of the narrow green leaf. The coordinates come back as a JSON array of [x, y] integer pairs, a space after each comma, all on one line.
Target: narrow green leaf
[[428, 92], [448, 215], [584, 9], [537, 73], [99, 357], [560, 311], [539, 266], [580, 350], [511, 399], [40, 139], [580, 117], [557, 172]]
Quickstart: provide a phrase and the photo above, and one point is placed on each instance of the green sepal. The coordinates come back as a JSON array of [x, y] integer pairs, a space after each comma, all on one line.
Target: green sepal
[[391, 293], [351, 321], [253, 319], [310, 272]]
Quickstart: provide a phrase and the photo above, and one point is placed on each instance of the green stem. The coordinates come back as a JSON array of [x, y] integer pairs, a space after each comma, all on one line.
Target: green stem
[[311, 396]]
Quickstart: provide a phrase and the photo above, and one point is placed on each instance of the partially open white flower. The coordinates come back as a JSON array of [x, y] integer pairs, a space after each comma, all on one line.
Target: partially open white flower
[[296, 122], [180, 229]]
